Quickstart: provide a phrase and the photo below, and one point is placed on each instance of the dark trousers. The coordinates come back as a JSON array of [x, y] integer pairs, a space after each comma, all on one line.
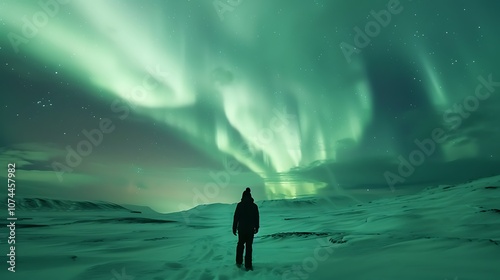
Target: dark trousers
[[245, 240]]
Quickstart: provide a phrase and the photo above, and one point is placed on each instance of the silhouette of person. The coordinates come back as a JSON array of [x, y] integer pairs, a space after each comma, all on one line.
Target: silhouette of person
[[246, 221]]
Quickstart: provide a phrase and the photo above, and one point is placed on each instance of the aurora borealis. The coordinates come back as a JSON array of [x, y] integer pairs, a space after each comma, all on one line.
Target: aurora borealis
[[188, 89]]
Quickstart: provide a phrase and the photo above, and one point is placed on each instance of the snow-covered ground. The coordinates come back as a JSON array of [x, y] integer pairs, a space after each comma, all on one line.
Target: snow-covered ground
[[444, 232]]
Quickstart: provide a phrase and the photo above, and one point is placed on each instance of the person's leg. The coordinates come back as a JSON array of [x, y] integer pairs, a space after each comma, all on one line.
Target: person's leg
[[248, 251], [239, 249]]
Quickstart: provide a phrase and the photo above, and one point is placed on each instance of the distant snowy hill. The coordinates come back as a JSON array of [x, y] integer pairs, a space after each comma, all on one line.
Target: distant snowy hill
[[46, 204]]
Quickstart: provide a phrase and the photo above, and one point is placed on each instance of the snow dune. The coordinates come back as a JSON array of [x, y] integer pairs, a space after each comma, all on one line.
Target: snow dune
[[443, 232]]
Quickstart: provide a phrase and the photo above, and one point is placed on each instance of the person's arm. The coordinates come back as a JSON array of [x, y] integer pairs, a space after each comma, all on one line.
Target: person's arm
[[236, 218], [257, 218]]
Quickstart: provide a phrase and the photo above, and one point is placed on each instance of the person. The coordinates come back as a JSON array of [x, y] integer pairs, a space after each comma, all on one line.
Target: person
[[246, 222]]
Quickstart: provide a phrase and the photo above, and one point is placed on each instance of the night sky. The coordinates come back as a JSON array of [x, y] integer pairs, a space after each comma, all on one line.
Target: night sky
[[170, 104]]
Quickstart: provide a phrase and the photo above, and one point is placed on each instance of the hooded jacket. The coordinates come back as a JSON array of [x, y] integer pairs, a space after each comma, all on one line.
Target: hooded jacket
[[246, 215]]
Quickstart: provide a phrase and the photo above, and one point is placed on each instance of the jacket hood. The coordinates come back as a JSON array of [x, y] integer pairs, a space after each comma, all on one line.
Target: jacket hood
[[247, 199]]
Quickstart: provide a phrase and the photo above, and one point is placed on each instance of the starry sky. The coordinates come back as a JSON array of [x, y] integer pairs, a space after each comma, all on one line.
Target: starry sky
[[170, 104]]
